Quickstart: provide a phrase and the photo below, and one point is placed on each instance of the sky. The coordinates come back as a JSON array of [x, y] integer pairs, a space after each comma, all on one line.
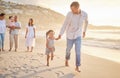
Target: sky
[[100, 12]]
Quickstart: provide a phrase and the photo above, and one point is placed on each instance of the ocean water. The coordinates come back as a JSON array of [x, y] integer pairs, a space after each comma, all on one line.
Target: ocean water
[[97, 38], [103, 38]]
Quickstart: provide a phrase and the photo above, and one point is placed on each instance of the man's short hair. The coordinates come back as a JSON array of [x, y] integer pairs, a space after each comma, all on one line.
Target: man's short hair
[[2, 14], [75, 3]]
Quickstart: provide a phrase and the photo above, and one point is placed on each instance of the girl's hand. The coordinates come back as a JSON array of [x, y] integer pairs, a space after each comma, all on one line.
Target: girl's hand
[[59, 37], [56, 38]]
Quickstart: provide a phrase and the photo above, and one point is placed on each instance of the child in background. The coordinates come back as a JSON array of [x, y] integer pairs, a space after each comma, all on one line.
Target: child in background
[[30, 36], [50, 45], [11, 24]]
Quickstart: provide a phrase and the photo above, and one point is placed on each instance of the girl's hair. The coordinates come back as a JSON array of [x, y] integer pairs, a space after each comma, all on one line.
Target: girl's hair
[[47, 33], [10, 17], [30, 23]]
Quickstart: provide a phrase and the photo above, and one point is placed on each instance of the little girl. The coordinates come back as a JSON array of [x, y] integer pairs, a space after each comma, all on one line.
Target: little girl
[[50, 45], [11, 24], [30, 36]]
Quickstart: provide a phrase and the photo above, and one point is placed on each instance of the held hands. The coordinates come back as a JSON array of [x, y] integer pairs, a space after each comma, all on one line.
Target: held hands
[[59, 37]]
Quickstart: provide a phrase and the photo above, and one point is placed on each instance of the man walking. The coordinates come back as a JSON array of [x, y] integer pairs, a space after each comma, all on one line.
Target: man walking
[[74, 28]]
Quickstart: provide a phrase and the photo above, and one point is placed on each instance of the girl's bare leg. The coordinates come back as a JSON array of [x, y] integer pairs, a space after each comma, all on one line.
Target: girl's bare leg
[[52, 56], [48, 57]]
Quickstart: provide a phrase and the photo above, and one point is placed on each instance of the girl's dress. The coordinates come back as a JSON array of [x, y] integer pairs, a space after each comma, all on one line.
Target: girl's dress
[[30, 40], [50, 45]]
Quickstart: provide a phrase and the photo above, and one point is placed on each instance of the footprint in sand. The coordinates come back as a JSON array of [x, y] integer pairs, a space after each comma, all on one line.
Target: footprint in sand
[[57, 57], [1, 58], [59, 73], [7, 76], [38, 77], [2, 76], [40, 54]]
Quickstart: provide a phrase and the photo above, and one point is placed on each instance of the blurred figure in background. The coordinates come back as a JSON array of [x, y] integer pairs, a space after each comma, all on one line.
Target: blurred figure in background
[[30, 35], [14, 26], [2, 30]]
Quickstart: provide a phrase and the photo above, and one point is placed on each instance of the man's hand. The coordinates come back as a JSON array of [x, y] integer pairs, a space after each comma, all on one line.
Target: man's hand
[[59, 37], [84, 34]]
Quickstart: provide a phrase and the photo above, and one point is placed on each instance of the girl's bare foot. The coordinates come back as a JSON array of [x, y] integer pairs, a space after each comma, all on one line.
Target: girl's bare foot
[[66, 63], [47, 64]]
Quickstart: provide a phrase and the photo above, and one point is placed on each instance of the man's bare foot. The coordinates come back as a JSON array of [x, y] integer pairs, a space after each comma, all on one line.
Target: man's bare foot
[[77, 69], [66, 63]]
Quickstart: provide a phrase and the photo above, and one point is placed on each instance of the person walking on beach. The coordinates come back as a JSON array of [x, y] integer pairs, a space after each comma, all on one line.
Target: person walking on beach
[[50, 45], [14, 26], [30, 35], [2, 31], [74, 30]]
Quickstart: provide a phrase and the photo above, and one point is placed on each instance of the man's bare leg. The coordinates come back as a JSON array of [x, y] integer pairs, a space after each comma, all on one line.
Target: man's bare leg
[[66, 63]]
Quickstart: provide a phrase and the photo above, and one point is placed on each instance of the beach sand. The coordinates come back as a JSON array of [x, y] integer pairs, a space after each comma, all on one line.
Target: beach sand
[[96, 62]]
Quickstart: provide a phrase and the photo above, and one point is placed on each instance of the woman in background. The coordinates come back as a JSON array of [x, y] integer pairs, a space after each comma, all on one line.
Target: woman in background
[[30, 35]]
